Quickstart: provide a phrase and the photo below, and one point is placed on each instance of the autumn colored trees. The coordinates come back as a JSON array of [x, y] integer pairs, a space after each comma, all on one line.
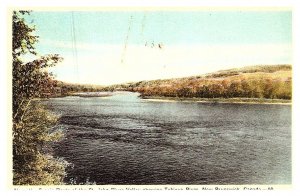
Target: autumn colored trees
[[269, 82]]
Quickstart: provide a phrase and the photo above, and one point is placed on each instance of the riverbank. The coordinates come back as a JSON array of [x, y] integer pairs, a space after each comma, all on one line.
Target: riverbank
[[82, 94], [218, 100], [92, 94]]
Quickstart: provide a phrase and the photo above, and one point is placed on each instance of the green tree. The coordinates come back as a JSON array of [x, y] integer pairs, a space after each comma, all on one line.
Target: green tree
[[29, 79], [31, 122]]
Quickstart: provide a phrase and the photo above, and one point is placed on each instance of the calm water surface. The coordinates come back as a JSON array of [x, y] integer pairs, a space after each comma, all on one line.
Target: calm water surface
[[123, 139]]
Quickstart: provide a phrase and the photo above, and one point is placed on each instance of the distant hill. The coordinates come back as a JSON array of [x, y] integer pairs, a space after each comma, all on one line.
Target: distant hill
[[64, 89], [261, 81]]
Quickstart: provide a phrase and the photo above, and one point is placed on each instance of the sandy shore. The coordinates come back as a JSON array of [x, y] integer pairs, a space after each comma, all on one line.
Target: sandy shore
[[93, 94], [218, 100]]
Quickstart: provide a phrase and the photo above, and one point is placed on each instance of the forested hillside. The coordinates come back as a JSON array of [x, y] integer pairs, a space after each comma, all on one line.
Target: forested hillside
[[264, 81], [65, 89]]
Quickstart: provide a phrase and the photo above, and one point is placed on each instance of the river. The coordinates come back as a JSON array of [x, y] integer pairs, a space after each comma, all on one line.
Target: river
[[123, 139]]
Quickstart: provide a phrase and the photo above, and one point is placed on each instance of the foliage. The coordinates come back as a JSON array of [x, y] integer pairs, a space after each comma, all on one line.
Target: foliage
[[29, 79], [31, 122], [270, 82], [45, 170], [65, 89], [31, 135]]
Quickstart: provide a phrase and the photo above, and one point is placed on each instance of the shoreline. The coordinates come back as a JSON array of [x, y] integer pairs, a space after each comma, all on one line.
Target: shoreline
[[218, 100], [83, 94]]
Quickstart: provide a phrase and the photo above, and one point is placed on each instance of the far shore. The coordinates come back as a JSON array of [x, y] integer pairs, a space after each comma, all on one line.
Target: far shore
[[91, 94], [218, 100]]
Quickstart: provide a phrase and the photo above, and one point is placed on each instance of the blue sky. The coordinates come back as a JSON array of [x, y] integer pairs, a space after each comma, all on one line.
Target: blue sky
[[192, 42]]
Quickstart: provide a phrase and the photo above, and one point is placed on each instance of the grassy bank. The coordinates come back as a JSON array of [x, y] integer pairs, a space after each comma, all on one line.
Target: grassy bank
[[33, 161]]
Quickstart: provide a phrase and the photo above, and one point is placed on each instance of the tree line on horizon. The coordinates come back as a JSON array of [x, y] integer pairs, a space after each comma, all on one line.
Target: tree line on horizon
[[264, 81], [61, 89], [269, 82], [243, 89]]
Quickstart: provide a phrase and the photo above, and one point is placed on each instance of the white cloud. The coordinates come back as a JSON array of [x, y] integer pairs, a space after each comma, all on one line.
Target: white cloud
[[102, 64]]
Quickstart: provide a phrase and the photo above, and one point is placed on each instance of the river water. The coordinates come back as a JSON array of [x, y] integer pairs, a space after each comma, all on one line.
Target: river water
[[123, 139]]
